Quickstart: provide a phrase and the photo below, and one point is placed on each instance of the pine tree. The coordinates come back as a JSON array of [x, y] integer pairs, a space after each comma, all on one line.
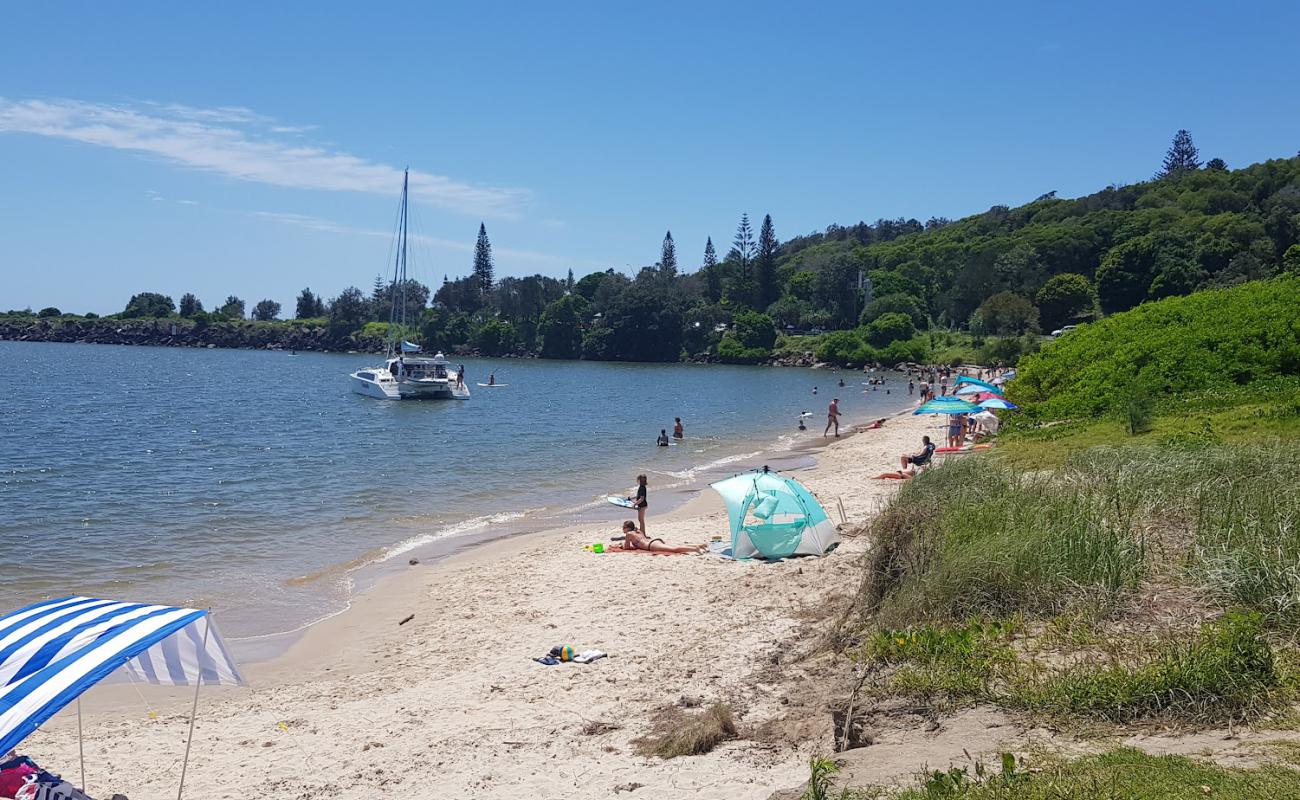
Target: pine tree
[[712, 281], [483, 262], [744, 244], [767, 245], [668, 257], [1182, 157], [568, 282]]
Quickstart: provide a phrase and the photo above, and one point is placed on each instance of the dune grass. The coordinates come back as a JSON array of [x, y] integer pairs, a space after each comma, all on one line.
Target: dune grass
[[975, 539], [1226, 673], [693, 735], [1123, 773]]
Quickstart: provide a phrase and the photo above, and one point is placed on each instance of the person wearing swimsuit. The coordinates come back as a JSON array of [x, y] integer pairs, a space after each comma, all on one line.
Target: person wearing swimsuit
[[636, 540], [678, 432], [640, 504]]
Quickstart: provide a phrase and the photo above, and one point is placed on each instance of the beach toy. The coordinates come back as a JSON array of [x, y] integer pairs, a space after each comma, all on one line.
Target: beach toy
[[598, 547]]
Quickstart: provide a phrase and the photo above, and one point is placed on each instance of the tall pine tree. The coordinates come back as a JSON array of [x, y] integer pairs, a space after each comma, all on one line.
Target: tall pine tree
[[568, 282], [668, 258], [767, 246], [712, 280], [483, 262], [744, 245], [1181, 158]]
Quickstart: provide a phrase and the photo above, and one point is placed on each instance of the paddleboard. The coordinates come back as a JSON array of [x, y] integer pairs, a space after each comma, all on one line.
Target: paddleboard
[[493, 385], [806, 414], [620, 501]]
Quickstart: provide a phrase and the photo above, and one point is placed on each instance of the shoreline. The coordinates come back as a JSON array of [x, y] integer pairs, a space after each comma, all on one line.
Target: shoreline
[[420, 698]]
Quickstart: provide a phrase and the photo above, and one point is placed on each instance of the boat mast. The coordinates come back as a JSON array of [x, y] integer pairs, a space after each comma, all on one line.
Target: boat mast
[[397, 318]]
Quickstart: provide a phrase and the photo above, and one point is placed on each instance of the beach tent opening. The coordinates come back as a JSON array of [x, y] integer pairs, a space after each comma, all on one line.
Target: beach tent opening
[[773, 516], [52, 652]]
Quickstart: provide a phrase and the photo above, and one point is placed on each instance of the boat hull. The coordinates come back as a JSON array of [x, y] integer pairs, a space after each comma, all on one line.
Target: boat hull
[[382, 387]]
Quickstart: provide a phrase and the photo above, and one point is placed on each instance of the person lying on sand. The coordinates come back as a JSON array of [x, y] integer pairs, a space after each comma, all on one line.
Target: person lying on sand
[[901, 474], [634, 539]]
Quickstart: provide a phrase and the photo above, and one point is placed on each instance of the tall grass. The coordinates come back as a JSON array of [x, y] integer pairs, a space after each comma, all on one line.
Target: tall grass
[[977, 538], [974, 538]]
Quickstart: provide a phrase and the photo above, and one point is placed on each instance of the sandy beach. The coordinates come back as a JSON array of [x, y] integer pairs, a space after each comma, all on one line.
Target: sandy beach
[[452, 704]]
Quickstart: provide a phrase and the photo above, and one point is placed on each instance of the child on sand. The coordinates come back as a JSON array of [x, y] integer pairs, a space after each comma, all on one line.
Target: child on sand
[[640, 503]]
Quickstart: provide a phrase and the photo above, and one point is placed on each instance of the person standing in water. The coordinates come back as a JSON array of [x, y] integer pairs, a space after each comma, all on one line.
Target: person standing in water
[[833, 417], [662, 441], [640, 503], [678, 431]]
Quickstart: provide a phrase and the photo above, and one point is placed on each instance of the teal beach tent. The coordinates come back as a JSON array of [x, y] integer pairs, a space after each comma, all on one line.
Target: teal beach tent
[[773, 516]]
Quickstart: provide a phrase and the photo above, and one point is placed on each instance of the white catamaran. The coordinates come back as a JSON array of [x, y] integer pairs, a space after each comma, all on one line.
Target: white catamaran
[[405, 374]]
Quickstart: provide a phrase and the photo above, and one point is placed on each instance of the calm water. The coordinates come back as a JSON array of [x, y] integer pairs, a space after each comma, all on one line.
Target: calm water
[[257, 483]]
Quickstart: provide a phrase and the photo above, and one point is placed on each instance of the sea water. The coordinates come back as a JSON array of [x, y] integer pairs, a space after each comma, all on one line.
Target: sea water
[[256, 483]]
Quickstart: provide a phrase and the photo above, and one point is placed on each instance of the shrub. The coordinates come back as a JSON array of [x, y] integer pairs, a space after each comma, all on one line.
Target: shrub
[[690, 736], [1211, 340], [889, 328], [50, 311], [731, 351]]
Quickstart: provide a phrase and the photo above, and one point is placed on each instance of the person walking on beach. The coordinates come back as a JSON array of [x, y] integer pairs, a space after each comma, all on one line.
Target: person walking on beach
[[833, 418], [678, 431], [640, 503]]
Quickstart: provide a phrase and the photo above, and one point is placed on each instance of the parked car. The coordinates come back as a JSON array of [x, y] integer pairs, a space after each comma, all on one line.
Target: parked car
[[1065, 329]]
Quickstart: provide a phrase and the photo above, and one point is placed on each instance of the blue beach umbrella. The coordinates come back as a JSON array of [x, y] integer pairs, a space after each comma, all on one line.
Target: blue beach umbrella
[[977, 388], [998, 402], [947, 405], [966, 380]]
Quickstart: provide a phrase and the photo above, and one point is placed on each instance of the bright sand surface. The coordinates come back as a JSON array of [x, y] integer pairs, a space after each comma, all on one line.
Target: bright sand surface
[[451, 704]]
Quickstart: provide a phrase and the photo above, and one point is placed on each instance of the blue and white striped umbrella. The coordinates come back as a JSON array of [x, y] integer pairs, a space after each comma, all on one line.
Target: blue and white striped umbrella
[[52, 652]]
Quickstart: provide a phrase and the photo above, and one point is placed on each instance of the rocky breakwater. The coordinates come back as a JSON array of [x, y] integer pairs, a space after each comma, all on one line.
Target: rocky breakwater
[[185, 333]]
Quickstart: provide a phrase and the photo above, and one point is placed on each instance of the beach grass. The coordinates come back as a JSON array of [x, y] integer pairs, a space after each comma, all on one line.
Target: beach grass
[[1122, 773], [975, 538], [679, 734], [1225, 673]]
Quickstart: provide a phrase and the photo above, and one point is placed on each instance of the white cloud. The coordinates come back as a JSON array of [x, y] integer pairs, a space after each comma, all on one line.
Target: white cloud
[[239, 143], [329, 226]]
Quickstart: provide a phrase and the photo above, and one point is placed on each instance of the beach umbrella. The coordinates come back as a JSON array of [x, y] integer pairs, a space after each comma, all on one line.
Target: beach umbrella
[[966, 379], [57, 649], [947, 405], [998, 402], [977, 388]]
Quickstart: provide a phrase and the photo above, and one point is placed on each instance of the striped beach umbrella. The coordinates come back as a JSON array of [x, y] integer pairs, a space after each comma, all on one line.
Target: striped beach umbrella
[[947, 405]]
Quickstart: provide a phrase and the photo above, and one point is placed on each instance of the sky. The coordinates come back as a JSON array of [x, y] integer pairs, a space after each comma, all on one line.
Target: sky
[[257, 148]]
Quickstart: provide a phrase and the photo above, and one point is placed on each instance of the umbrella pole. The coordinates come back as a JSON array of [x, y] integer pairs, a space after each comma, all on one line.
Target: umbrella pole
[[194, 709], [81, 748]]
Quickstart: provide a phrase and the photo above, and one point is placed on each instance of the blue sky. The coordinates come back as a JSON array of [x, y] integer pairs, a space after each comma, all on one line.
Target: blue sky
[[255, 149]]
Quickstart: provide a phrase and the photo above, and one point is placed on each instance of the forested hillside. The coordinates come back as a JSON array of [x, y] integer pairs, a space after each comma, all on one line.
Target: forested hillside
[[885, 287]]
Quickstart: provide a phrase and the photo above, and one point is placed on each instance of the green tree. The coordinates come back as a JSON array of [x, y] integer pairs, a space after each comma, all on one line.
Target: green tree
[[560, 327], [1291, 260], [495, 338], [1217, 165], [1005, 313], [668, 258], [743, 248], [233, 308], [754, 329], [308, 305], [190, 305], [1063, 298], [49, 311], [894, 304], [766, 260], [147, 305], [347, 312], [788, 312], [483, 267], [589, 284], [889, 328], [266, 310], [712, 280], [1181, 158]]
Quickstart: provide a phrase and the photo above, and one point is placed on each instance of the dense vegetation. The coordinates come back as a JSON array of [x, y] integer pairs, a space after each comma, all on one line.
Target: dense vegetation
[[1003, 276], [1209, 342]]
